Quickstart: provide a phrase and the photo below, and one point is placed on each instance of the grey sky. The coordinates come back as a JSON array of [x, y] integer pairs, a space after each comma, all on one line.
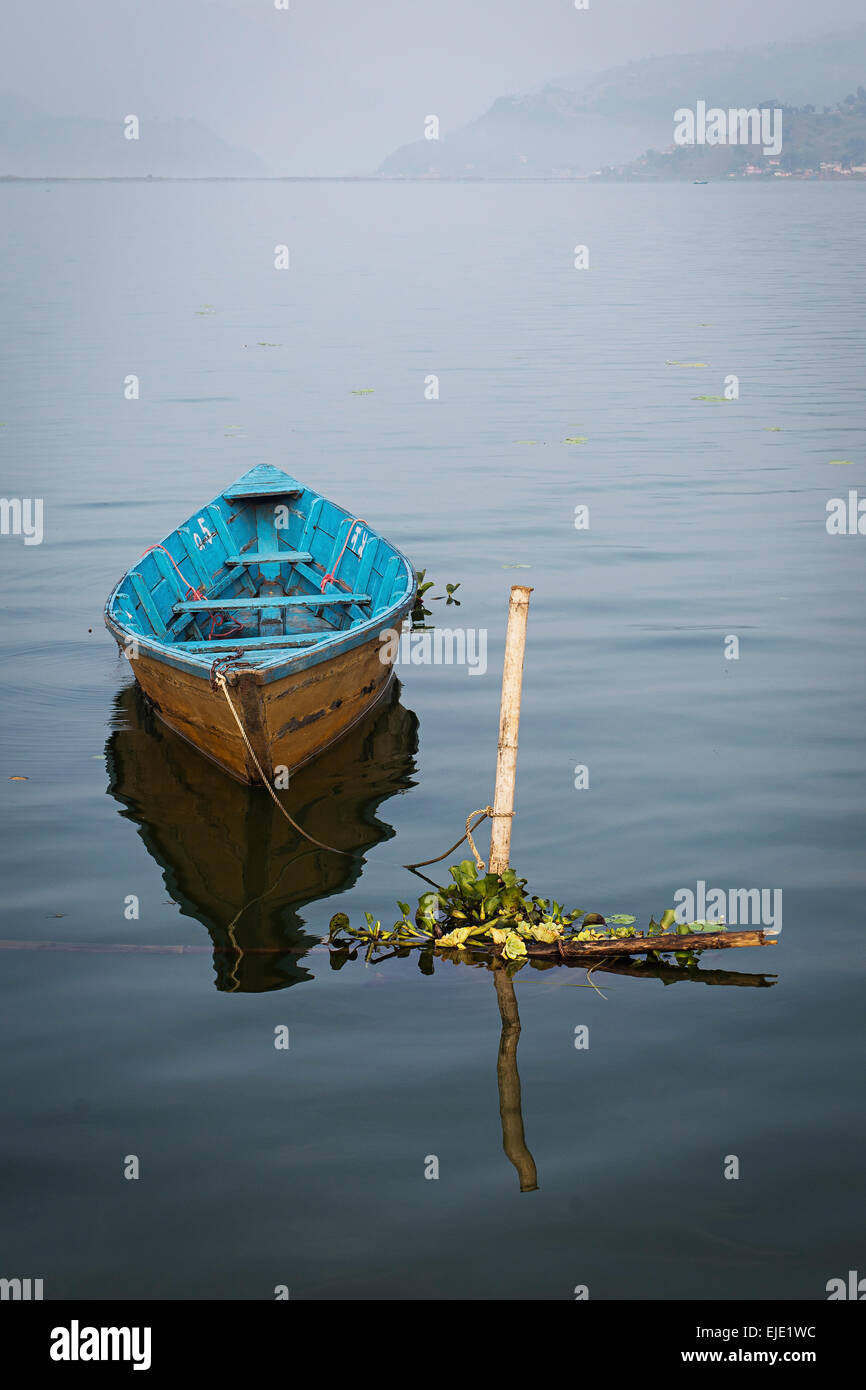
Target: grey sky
[[332, 86]]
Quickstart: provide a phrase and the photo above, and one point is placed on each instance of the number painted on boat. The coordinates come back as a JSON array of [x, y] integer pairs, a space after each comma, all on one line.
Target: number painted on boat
[[206, 535]]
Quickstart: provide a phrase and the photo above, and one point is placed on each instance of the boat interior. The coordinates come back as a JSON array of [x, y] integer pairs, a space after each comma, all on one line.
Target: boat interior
[[269, 565]]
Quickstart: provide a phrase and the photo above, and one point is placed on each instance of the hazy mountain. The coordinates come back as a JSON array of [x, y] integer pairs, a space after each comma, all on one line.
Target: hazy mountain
[[37, 144], [834, 138], [616, 115]]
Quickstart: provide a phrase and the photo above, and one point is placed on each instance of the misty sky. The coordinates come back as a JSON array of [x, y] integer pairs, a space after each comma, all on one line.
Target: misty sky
[[332, 86]]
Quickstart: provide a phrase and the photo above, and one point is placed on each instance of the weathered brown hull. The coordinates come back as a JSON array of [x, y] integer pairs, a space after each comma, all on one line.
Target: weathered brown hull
[[288, 722]]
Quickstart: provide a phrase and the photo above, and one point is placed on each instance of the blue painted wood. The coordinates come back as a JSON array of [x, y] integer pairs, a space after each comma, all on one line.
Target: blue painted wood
[[285, 601], [263, 481], [195, 558], [174, 580], [312, 521], [386, 588], [231, 644], [145, 598], [366, 562], [282, 557], [217, 520]]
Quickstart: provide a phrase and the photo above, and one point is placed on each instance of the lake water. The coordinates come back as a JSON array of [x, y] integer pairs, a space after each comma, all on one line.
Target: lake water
[[306, 1167]]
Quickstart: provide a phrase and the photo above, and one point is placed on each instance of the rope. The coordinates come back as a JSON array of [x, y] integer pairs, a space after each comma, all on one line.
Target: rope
[[331, 576], [190, 589], [221, 684], [482, 815]]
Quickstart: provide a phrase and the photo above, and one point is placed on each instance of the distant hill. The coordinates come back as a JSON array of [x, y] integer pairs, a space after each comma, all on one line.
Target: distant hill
[[611, 118], [35, 144], [822, 144]]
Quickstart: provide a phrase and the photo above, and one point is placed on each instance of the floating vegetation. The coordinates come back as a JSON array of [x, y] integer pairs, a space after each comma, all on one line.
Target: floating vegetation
[[576, 439], [517, 567], [269, 345], [686, 364], [494, 912], [773, 429], [526, 441], [841, 463], [365, 391], [714, 400], [419, 612], [206, 309]]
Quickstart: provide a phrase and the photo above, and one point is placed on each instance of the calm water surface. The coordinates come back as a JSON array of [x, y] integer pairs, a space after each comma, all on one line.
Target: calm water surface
[[306, 1168]]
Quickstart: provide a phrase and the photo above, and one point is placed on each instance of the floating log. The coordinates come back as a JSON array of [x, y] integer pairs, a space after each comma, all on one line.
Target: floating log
[[638, 945]]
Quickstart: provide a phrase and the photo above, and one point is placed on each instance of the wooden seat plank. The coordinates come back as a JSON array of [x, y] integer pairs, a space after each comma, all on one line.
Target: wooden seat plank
[[269, 601], [280, 557], [230, 644]]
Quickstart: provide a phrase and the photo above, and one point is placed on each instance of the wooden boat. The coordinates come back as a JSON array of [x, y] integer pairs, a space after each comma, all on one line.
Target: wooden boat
[[280, 594], [228, 857]]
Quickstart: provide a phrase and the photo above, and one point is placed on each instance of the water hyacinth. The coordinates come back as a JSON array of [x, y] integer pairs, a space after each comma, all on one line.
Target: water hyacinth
[[494, 912]]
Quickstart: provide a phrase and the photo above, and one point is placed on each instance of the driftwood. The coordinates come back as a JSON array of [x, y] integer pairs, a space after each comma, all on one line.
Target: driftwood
[[637, 945]]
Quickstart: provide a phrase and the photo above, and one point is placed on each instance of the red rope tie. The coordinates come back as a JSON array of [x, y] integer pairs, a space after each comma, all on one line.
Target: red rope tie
[[331, 576], [196, 593], [233, 628]]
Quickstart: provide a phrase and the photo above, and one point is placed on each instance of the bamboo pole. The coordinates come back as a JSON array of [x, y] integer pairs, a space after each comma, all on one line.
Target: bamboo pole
[[509, 723]]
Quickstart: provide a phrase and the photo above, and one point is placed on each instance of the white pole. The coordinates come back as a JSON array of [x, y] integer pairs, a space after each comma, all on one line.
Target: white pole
[[509, 723]]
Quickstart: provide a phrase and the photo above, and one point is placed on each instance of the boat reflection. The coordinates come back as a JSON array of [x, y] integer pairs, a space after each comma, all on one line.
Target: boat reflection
[[229, 859]]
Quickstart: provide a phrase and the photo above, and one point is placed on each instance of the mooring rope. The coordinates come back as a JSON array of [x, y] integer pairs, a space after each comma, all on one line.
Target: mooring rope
[[482, 814], [221, 684], [331, 576]]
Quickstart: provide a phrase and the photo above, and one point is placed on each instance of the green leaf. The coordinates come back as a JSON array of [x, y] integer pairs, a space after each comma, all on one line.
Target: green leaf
[[544, 933], [513, 948], [454, 938], [668, 919], [622, 918]]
